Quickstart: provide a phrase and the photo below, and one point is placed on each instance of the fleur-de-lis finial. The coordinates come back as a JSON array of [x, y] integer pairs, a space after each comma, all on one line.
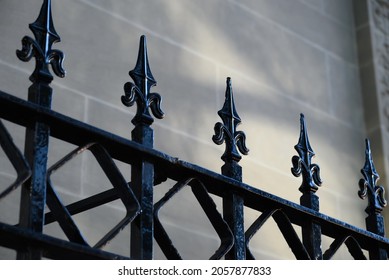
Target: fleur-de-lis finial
[[302, 164], [226, 131], [368, 185], [40, 48], [139, 91]]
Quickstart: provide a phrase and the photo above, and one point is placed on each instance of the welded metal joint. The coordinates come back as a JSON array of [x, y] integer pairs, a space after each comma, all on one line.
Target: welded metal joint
[[226, 131], [368, 185], [302, 164], [139, 91], [41, 48]]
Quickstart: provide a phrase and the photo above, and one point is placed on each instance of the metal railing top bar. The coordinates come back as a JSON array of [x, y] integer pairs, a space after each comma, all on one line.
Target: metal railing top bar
[[78, 133]]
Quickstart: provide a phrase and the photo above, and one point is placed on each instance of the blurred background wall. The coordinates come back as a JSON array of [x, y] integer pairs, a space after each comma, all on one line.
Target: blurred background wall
[[323, 58]]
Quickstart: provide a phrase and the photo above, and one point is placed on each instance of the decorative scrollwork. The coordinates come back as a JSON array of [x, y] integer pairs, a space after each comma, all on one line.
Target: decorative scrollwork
[[40, 48], [226, 131], [302, 164], [139, 91], [368, 185]]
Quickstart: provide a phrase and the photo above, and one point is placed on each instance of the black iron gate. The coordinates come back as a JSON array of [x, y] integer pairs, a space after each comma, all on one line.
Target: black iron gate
[[150, 167]]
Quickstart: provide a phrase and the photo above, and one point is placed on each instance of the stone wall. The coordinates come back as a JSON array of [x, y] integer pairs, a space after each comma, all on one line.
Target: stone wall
[[284, 57]]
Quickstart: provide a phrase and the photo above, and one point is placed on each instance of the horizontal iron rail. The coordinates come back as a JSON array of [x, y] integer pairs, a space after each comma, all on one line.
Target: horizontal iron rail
[[86, 204], [18, 238], [78, 133]]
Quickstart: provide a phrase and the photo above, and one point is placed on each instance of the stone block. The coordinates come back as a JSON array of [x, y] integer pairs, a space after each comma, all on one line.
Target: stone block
[[342, 11], [365, 46], [370, 98], [316, 4], [309, 24], [346, 96]]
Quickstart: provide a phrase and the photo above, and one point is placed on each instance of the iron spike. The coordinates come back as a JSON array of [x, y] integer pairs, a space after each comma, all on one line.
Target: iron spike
[[226, 131], [368, 184], [41, 48], [43, 28], [141, 74], [302, 164], [139, 91]]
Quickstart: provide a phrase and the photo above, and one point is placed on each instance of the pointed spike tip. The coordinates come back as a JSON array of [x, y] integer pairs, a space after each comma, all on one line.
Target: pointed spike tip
[[229, 88], [303, 144], [302, 120], [369, 157], [143, 42], [367, 141], [142, 69], [44, 22]]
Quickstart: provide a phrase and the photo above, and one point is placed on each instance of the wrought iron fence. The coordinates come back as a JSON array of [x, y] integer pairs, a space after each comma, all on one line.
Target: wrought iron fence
[[150, 167]]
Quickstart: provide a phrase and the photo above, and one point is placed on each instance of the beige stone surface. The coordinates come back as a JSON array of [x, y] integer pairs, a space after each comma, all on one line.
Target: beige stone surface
[[284, 57]]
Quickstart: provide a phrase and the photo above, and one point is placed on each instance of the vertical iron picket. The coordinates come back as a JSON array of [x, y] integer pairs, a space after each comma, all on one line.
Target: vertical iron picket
[[311, 231], [142, 172], [33, 196], [235, 140], [376, 202]]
